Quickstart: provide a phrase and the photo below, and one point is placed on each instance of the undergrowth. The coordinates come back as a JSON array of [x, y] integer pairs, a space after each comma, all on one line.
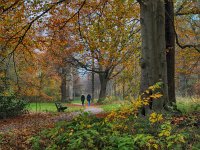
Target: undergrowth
[[123, 129]]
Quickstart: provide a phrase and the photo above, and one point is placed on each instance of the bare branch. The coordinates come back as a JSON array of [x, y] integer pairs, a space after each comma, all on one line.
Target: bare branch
[[196, 47]]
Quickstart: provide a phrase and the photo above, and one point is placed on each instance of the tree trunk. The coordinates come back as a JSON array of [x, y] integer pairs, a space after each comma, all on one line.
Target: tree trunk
[[103, 80], [170, 46], [92, 77], [123, 88], [70, 83], [153, 61], [67, 84], [63, 88], [183, 84]]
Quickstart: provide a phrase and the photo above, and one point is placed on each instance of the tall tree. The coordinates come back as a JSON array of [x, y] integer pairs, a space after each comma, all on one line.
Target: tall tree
[[153, 61], [107, 34], [67, 83], [170, 47]]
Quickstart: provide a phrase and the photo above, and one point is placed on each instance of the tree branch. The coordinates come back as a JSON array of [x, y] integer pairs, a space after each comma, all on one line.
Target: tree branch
[[28, 26], [190, 12], [77, 12], [76, 62], [196, 47], [9, 7], [181, 7]]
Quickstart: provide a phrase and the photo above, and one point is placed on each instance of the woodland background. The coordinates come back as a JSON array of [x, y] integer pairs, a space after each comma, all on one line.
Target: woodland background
[[144, 53]]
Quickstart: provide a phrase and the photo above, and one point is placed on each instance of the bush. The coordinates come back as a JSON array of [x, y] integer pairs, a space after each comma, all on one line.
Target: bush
[[11, 106], [113, 132]]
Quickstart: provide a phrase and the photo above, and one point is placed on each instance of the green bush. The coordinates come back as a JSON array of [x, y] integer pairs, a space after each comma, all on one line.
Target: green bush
[[11, 106]]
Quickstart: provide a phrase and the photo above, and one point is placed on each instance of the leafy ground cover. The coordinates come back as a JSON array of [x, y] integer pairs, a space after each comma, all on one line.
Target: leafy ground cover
[[122, 129], [16, 132], [116, 128]]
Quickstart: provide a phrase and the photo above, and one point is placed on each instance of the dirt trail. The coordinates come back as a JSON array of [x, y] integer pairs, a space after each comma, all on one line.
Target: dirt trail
[[34, 120], [92, 109]]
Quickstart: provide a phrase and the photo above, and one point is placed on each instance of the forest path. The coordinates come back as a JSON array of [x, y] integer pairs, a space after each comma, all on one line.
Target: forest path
[[42, 120], [93, 109]]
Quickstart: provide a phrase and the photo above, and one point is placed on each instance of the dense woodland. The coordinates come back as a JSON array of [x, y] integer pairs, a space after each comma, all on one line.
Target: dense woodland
[[143, 54]]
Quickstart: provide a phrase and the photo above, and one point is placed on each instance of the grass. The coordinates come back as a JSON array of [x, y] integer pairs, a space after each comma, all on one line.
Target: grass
[[188, 104], [110, 107], [50, 107], [185, 104]]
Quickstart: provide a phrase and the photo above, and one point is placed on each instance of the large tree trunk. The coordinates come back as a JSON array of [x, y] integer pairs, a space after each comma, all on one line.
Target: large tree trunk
[[153, 61], [170, 46], [67, 84], [103, 80]]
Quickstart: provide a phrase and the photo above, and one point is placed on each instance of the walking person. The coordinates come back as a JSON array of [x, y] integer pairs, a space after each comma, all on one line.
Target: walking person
[[89, 99], [82, 99]]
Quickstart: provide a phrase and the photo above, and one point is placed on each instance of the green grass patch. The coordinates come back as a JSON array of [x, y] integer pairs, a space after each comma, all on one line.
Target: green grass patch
[[188, 104], [110, 107], [50, 107]]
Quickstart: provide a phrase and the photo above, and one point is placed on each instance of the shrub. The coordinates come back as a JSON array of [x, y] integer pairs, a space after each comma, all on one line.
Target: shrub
[[11, 106], [114, 132]]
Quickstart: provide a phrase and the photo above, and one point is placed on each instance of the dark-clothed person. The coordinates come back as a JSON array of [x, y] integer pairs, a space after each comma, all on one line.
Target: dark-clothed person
[[82, 99], [89, 99]]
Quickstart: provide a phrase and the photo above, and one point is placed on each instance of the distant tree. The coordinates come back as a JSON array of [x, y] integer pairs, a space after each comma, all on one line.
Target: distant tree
[[109, 34]]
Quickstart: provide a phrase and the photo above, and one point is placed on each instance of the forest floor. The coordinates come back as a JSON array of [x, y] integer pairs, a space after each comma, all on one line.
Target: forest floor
[[33, 119], [17, 133], [17, 130]]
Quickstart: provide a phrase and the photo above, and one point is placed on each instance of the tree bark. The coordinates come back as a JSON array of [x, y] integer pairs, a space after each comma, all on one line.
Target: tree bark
[[70, 83], [170, 47], [63, 87], [183, 84], [92, 76], [153, 61], [103, 80], [67, 84]]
